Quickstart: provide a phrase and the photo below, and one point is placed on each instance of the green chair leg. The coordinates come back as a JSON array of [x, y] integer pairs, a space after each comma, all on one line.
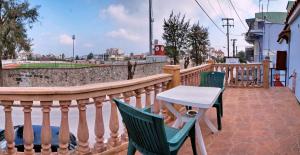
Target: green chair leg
[[218, 109], [193, 142], [131, 149]]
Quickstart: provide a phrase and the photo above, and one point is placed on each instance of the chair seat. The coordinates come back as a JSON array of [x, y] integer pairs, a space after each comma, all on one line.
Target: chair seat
[[170, 132]]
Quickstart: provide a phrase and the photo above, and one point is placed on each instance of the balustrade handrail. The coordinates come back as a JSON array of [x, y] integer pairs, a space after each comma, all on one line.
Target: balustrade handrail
[[79, 92], [193, 69]]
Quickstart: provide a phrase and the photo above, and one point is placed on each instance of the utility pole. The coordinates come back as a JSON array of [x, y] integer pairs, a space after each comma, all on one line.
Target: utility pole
[[228, 25], [73, 38], [151, 20], [233, 46]]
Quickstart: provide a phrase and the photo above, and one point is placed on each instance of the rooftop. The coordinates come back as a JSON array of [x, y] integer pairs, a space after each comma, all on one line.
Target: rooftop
[[255, 121], [273, 17]]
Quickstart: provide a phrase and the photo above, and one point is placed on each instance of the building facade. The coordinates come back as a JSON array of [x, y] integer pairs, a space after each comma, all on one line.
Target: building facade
[[291, 35], [262, 34]]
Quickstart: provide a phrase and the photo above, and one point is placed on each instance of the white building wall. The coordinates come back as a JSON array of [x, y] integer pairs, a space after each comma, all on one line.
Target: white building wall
[[294, 54], [270, 43]]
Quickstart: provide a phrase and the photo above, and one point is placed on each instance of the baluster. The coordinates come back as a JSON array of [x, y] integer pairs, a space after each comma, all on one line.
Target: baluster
[[127, 96], [99, 130], [156, 106], [198, 78], [46, 135], [258, 75], [164, 110], [138, 94], [82, 130], [247, 84], [182, 80], [231, 74], [242, 74], [114, 139], [148, 96], [226, 75], [236, 72], [27, 130], [9, 129], [64, 131], [186, 80], [253, 76]]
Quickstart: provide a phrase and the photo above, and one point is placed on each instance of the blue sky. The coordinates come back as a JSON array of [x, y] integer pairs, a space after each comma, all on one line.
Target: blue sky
[[102, 24]]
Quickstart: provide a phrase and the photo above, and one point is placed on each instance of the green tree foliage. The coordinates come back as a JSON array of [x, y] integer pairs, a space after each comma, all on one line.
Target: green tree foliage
[[15, 18], [242, 56], [175, 33], [198, 42], [90, 56]]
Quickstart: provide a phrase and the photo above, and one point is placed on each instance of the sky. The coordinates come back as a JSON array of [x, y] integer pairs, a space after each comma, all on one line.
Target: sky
[[102, 24]]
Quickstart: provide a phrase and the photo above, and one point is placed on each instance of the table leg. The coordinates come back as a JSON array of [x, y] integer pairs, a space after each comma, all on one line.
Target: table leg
[[199, 137], [206, 120], [178, 116]]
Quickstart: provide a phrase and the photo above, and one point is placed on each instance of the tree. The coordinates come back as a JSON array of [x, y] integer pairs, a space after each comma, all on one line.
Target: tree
[[186, 62], [198, 41], [63, 56], [15, 18], [175, 31], [77, 57], [242, 56], [131, 70], [90, 56]]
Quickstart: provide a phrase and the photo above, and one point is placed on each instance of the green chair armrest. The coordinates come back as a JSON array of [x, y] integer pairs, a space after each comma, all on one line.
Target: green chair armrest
[[182, 133], [147, 109]]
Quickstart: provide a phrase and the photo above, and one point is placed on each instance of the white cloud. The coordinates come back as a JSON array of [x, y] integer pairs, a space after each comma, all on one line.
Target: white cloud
[[123, 34], [65, 39]]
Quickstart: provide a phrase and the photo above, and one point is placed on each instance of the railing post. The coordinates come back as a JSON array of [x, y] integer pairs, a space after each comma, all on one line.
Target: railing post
[[266, 66], [175, 71], [9, 129]]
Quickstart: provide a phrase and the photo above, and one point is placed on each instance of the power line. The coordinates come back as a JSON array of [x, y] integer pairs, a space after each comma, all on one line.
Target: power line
[[237, 14], [220, 8], [209, 17]]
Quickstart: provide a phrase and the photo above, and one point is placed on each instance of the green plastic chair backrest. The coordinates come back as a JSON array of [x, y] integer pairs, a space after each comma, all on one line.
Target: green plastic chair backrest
[[212, 79], [145, 130]]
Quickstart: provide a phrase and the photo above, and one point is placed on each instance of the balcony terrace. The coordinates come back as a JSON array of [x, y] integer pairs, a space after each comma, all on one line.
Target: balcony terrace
[[255, 122], [257, 119]]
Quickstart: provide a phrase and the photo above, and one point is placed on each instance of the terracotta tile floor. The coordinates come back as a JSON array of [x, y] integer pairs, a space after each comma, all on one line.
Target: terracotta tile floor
[[255, 122]]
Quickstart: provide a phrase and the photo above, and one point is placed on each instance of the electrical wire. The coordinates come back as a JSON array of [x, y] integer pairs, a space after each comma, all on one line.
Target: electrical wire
[[237, 14], [209, 17], [220, 8]]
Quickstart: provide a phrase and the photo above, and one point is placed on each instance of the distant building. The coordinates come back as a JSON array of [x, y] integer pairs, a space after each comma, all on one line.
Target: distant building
[[115, 54], [23, 55], [262, 34], [101, 57]]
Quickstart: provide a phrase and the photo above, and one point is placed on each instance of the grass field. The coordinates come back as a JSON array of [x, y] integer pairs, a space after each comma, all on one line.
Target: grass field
[[53, 65]]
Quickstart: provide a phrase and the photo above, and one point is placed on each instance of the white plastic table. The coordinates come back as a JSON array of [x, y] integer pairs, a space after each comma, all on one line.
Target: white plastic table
[[202, 98]]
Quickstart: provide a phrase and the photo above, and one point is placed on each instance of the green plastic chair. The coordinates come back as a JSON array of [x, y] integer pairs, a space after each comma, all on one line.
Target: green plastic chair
[[148, 134], [215, 79]]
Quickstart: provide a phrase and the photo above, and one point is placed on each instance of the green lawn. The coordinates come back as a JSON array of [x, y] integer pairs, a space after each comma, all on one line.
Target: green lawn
[[54, 65]]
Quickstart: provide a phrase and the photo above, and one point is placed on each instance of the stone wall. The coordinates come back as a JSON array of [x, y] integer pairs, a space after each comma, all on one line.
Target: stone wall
[[75, 76]]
